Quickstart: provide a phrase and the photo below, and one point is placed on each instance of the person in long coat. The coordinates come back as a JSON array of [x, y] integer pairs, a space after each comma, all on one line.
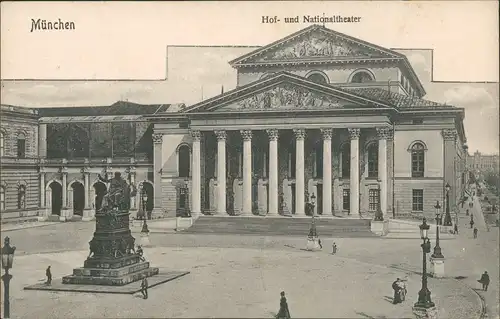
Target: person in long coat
[[485, 280], [397, 294], [284, 312]]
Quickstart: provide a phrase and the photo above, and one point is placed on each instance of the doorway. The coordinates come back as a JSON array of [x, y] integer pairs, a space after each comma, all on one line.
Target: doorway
[[319, 199], [78, 198], [56, 198]]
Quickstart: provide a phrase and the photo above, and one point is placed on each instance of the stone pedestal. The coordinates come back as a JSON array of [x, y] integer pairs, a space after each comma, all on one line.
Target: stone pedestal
[[380, 228], [87, 215], [313, 244], [64, 217], [437, 267], [112, 260], [425, 313], [145, 240], [182, 223]]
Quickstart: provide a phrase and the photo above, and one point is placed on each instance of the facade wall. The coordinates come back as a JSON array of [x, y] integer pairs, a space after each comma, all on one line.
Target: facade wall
[[336, 74], [433, 191], [19, 173]]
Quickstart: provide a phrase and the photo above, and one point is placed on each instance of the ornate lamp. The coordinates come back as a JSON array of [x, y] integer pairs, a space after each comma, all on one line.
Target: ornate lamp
[[7, 262], [424, 295], [437, 249], [447, 217], [144, 198]]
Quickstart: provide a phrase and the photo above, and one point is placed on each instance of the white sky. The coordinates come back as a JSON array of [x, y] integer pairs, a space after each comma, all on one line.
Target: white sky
[[129, 41]]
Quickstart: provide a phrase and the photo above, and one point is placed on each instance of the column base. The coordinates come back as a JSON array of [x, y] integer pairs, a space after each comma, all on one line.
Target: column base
[[437, 267], [380, 228], [65, 215], [425, 313], [88, 215]]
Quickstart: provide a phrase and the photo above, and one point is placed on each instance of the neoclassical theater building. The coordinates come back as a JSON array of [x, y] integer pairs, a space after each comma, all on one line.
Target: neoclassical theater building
[[316, 116]]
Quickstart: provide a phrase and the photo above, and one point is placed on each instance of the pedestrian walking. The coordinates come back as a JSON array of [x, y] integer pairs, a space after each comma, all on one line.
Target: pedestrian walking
[[319, 243], [48, 273], [467, 212], [471, 223], [399, 291], [284, 312], [475, 232], [485, 280], [455, 229], [334, 248], [144, 288]]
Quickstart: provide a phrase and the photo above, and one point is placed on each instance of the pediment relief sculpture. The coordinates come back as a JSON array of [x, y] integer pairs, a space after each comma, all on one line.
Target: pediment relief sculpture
[[288, 96], [315, 45]]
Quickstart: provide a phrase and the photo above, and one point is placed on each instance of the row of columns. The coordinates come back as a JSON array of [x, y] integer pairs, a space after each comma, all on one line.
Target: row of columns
[[273, 134]]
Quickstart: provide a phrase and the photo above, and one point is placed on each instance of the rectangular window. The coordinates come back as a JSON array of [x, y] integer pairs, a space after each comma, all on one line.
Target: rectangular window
[[21, 148], [374, 199], [346, 200], [418, 200], [417, 162]]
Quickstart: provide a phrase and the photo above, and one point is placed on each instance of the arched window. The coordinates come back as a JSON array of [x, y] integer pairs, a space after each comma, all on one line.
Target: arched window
[[2, 145], [318, 77], [346, 160], [2, 198], [362, 77], [417, 159], [21, 197], [372, 151], [21, 145], [184, 161]]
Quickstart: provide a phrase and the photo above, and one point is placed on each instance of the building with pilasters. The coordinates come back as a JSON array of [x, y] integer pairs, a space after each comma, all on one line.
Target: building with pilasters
[[315, 113]]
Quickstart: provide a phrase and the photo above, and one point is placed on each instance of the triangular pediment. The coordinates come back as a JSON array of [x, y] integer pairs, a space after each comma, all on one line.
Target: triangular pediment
[[282, 92], [315, 43]]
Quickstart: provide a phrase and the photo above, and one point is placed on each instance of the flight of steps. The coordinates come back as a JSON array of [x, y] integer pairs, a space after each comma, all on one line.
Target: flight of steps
[[281, 226], [406, 229]]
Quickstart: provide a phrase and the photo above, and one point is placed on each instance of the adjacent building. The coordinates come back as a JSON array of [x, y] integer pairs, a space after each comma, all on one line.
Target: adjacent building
[[482, 162], [316, 116]]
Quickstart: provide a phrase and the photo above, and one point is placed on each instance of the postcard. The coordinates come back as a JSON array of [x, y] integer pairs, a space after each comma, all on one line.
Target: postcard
[[250, 159]]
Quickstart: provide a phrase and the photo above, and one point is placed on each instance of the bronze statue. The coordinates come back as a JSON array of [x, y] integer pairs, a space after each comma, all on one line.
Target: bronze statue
[[118, 194]]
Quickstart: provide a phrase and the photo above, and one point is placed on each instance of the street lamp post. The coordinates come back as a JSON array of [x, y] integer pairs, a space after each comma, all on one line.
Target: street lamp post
[[144, 200], [7, 261], [447, 216], [437, 249], [313, 204], [424, 295]]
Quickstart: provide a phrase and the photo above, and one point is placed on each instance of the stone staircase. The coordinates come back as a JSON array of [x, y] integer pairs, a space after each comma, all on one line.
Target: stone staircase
[[281, 226], [406, 229]]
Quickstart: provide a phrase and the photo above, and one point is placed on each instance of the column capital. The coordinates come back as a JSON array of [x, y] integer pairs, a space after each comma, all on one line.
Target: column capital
[[449, 134], [157, 138], [299, 133], [384, 133], [246, 135], [196, 135], [327, 133], [85, 170], [273, 134], [221, 135], [354, 133]]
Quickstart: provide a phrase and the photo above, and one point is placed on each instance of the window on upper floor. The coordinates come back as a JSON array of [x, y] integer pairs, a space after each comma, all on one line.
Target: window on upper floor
[[318, 77], [2, 145], [362, 77], [184, 161], [21, 145], [417, 160], [346, 160], [372, 151], [21, 197]]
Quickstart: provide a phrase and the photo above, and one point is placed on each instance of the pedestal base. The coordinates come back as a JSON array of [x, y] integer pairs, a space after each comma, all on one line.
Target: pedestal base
[[110, 277], [145, 240], [437, 267], [182, 223], [313, 244], [380, 228], [88, 215], [425, 313]]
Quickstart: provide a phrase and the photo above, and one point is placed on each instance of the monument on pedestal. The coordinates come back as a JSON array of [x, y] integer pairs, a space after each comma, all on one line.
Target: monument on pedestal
[[312, 237], [112, 260]]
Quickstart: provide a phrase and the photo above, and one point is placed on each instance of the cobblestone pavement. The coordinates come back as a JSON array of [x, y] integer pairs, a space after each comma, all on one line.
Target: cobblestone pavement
[[245, 273], [237, 282]]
